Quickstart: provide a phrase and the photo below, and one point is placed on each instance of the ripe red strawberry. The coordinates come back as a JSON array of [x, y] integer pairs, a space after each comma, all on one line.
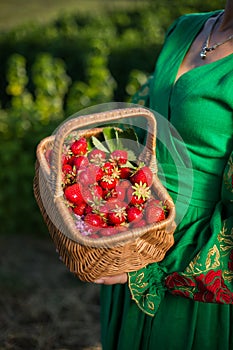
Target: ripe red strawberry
[[108, 206], [68, 174], [95, 172], [112, 230], [140, 223], [92, 192], [89, 175], [125, 172], [154, 212], [93, 220], [108, 168], [97, 156], [84, 179], [125, 183], [143, 175], [154, 201], [88, 209], [67, 168], [80, 162], [134, 214], [117, 214], [79, 147], [108, 182], [80, 209], [119, 192], [65, 159], [119, 156], [139, 193], [117, 217], [108, 231], [73, 194]]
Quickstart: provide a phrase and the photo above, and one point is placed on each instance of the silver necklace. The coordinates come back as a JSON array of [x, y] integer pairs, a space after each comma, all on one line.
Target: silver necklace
[[205, 47]]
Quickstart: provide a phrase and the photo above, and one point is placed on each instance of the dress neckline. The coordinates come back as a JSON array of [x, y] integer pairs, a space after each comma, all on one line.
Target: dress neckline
[[194, 69], [205, 66]]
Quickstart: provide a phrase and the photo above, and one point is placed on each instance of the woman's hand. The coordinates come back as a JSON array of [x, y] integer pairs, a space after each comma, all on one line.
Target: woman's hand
[[118, 279]]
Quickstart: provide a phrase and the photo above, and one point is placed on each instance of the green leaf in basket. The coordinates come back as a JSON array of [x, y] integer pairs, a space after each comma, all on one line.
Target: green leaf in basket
[[99, 145], [128, 164], [131, 156], [110, 136], [129, 134], [90, 144]]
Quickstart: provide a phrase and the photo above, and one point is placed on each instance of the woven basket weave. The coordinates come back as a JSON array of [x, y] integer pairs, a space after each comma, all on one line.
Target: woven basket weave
[[127, 251]]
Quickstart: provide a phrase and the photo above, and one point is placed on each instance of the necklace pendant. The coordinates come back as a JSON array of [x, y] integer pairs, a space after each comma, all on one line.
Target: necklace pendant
[[203, 52]]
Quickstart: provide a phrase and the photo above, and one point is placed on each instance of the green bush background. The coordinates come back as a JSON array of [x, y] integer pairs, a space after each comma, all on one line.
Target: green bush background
[[49, 71]]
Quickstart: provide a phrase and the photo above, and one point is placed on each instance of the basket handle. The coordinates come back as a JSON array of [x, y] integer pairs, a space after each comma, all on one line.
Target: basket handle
[[91, 119]]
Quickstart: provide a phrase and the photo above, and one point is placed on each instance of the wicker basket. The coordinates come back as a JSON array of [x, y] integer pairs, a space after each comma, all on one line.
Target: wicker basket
[[86, 257]]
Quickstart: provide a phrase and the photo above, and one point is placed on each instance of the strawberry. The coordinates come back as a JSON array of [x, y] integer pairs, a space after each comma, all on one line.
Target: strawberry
[[125, 184], [73, 194], [112, 230], [143, 175], [92, 192], [97, 156], [138, 194], [125, 172], [107, 168], [80, 162], [94, 235], [108, 206], [153, 201], [65, 159], [65, 154], [96, 191], [84, 178], [140, 223], [68, 174], [88, 209], [79, 147], [155, 212], [119, 156], [80, 209], [108, 231], [89, 175], [119, 192], [93, 220], [67, 168], [95, 172], [134, 214], [108, 182], [117, 215]]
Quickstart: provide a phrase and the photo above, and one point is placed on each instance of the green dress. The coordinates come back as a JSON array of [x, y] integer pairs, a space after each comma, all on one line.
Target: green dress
[[185, 301]]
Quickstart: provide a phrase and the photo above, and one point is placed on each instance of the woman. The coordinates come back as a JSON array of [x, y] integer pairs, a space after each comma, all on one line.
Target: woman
[[185, 301]]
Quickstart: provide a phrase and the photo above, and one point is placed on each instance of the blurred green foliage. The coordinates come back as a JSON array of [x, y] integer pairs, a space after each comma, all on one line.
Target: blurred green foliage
[[49, 72]]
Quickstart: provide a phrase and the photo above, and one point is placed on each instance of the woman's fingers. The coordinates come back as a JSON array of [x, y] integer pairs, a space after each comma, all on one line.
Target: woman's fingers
[[122, 278]]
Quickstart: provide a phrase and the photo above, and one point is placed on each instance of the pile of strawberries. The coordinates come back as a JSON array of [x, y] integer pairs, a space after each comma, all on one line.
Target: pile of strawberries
[[105, 192]]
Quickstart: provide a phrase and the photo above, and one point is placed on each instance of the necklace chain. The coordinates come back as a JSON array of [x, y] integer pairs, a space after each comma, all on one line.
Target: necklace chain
[[205, 48]]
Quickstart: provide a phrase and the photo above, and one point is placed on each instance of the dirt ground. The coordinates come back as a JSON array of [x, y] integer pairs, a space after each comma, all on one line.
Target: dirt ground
[[42, 305]]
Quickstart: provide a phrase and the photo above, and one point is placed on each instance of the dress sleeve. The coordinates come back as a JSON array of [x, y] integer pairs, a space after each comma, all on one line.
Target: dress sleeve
[[209, 276]]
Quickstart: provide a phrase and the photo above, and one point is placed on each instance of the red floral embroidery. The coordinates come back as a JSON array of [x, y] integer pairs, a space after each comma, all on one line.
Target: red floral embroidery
[[212, 288], [208, 287], [182, 293], [177, 280]]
